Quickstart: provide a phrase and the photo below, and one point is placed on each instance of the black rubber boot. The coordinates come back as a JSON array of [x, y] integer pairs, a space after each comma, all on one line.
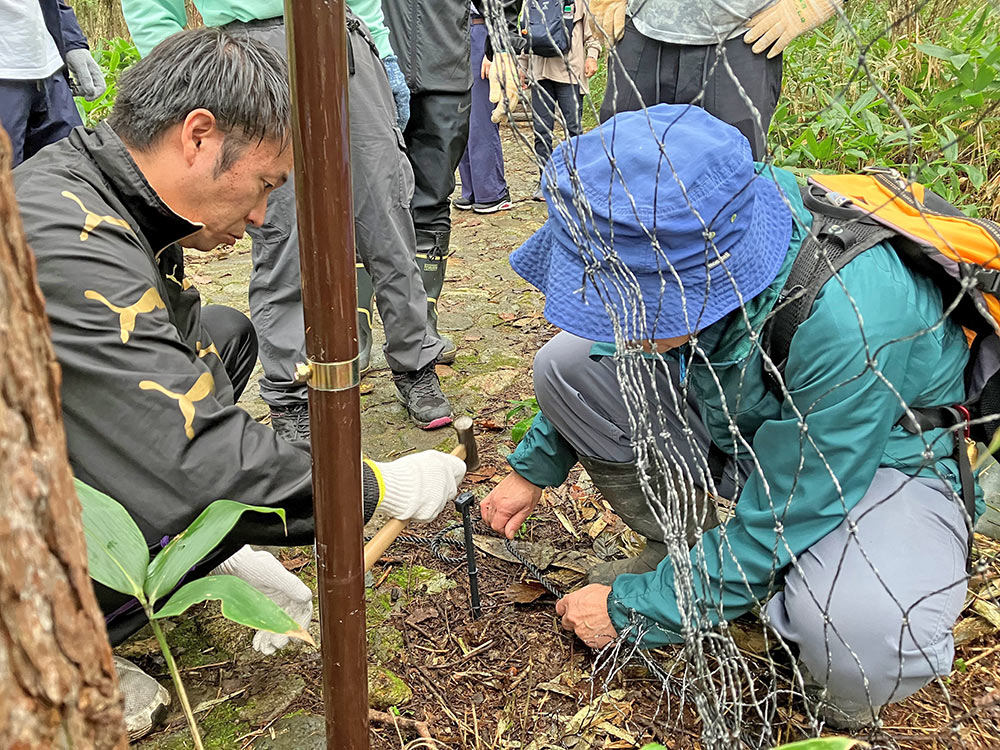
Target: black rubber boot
[[432, 256], [620, 486], [366, 302]]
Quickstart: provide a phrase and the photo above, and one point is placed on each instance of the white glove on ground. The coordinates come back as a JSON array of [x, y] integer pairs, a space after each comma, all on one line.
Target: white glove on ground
[[86, 73], [264, 572], [777, 25], [418, 486]]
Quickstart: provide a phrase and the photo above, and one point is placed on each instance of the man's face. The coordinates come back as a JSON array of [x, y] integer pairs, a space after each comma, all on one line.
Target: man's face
[[227, 201], [188, 170]]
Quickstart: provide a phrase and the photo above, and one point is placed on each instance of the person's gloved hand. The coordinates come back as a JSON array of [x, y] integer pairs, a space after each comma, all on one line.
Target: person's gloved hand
[[264, 572], [418, 486], [87, 74], [504, 84], [777, 25], [609, 18], [400, 91]]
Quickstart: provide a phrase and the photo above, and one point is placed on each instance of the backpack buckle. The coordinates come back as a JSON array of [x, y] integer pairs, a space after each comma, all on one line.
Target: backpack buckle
[[987, 280]]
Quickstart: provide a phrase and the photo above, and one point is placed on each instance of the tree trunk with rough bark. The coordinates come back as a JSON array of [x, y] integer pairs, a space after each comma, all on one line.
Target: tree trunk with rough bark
[[57, 680]]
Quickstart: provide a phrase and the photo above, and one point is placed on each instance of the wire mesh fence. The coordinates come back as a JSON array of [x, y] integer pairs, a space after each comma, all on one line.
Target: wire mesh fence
[[796, 493]]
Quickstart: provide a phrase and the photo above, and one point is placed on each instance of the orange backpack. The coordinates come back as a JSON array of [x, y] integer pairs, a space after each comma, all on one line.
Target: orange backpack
[[854, 212]]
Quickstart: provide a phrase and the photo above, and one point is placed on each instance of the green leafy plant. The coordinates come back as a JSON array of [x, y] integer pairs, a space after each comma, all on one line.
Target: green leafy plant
[[118, 558], [524, 411], [930, 109], [114, 56]]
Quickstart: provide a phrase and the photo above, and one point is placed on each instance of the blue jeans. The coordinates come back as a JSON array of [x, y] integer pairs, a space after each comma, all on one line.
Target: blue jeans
[[481, 167], [545, 97], [36, 113]]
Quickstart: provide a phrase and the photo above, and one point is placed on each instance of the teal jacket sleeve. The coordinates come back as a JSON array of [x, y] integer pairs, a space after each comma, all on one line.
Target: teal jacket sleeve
[[370, 11], [543, 457], [151, 21], [808, 477]]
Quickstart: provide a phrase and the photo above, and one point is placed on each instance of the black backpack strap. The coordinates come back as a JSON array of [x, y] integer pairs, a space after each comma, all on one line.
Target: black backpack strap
[[839, 234]]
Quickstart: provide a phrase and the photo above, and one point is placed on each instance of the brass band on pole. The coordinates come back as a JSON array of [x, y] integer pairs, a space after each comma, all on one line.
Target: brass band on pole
[[329, 376]]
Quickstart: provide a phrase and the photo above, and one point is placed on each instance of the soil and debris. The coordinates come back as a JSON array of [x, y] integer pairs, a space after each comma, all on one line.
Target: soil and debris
[[512, 679]]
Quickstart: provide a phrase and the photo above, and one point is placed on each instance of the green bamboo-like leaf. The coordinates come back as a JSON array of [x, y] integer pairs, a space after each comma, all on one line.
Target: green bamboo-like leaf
[[823, 743], [241, 603], [189, 547], [117, 554]]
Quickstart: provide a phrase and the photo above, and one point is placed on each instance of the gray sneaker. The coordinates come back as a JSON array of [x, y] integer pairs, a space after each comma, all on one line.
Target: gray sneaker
[[146, 700], [420, 392], [291, 423]]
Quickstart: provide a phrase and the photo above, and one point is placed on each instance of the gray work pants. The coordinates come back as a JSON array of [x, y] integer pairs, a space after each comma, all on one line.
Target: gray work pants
[[889, 593], [383, 186]]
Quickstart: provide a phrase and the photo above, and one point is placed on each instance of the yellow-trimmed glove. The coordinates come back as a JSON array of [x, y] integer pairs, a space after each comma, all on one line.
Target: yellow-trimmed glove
[[608, 18], [505, 81], [417, 487], [777, 25]]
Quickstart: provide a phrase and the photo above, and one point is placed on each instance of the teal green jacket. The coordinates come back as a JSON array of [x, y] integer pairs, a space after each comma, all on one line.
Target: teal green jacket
[[151, 21], [807, 479]]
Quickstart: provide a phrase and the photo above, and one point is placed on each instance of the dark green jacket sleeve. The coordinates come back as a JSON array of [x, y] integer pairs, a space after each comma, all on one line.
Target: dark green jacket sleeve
[[543, 457]]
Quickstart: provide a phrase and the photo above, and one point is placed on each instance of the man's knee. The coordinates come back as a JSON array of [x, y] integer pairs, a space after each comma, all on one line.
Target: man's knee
[[236, 341], [557, 372]]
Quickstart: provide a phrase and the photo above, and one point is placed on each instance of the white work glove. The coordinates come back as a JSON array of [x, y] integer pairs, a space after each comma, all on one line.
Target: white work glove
[[264, 572], [418, 486], [608, 18], [505, 81], [777, 25], [87, 74]]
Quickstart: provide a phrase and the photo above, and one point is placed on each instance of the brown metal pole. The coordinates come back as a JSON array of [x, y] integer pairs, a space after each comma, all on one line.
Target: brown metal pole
[[317, 55]]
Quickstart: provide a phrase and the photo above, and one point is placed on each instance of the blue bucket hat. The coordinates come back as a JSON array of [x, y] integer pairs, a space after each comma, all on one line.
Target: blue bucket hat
[[658, 227]]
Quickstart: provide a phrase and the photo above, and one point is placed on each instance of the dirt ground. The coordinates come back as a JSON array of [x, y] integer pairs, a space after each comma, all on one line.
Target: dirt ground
[[511, 679]]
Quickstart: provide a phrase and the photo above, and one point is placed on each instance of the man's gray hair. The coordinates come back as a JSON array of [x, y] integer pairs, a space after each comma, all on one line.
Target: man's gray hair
[[240, 80]]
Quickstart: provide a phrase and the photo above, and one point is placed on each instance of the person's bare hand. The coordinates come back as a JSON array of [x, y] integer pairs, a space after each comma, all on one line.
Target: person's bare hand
[[585, 612], [509, 504], [484, 69], [589, 67]]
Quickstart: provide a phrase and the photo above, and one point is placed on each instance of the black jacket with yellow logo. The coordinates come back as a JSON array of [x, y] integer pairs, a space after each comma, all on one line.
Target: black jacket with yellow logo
[[148, 406]]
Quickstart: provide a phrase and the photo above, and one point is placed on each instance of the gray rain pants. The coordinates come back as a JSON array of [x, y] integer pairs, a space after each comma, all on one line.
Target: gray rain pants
[[383, 187], [891, 627]]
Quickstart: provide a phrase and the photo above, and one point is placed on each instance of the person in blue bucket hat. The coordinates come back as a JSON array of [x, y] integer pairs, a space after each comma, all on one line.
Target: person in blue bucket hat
[[665, 251]]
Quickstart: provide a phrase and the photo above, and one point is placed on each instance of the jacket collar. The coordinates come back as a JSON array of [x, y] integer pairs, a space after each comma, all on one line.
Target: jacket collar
[[729, 340], [157, 221]]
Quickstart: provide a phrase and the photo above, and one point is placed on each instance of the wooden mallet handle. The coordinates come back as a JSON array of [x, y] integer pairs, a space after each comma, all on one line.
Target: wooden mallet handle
[[385, 536]]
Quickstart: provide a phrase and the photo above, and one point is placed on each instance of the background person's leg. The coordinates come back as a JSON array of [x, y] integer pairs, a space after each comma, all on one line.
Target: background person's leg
[[53, 116], [633, 68], [488, 183], [876, 605], [436, 137], [543, 108], [16, 101], [755, 77], [571, 106]]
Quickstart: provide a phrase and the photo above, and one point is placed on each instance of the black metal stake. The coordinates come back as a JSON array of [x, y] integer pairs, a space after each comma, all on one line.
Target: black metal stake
[[464, 504]]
